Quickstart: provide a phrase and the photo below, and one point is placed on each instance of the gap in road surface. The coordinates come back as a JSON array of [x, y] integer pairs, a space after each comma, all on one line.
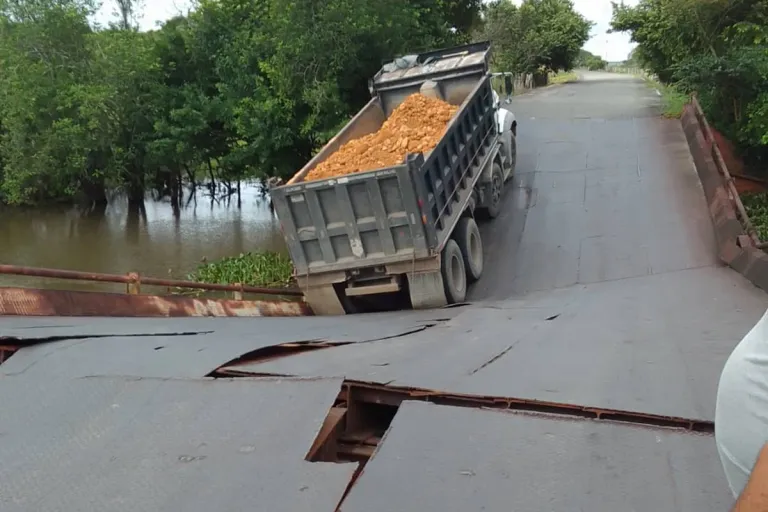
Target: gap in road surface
[[358, 421], [360, 418]]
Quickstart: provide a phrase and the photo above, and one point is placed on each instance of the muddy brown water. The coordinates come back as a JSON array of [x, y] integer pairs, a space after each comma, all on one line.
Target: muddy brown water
[[157, 244]]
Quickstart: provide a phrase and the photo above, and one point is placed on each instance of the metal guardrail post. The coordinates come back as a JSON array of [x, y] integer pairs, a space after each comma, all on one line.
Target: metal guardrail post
[[134, 283]]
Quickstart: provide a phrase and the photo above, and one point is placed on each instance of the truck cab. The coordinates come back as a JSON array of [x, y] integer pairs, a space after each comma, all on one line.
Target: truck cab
[[505, 118]]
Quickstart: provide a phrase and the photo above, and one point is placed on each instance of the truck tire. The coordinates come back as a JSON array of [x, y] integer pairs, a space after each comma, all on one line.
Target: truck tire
[[467, 236], [513, 159], [496, 190], [454, 273]]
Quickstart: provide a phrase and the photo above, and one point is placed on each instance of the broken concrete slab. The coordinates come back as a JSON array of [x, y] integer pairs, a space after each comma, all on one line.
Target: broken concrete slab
[[439, 358], [447, 458], [654, 345], [192, 355], [165, 445], [30, 328]]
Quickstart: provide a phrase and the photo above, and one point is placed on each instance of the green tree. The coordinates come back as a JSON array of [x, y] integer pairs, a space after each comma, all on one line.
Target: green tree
[[44, 58], [540, 35], [716, 48], [590, 61], [236, 89], [307, 66]]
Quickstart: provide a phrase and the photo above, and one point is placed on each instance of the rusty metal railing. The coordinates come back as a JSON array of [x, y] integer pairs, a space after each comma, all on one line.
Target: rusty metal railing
[[38, 302], [133, 281], [730, 184]]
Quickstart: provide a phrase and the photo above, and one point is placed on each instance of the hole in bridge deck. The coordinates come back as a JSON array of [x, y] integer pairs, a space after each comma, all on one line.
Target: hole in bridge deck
[[351, 432], [6, 351], [362, 414]]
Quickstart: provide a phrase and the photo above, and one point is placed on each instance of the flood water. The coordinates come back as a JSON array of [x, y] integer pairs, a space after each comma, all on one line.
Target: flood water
[[158, 244]]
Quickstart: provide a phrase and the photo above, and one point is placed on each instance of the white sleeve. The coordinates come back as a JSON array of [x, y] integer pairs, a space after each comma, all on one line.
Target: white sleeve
[[741, 416]]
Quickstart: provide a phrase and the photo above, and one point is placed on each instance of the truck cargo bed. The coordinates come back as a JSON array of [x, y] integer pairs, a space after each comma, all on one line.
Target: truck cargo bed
[[397, 213], [333, 224]]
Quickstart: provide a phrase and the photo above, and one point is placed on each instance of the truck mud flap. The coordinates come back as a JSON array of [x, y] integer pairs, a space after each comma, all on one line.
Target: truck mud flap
[[427, 290]]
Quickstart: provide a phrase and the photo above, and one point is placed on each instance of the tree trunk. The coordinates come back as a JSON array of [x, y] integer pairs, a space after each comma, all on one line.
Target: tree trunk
[[179, 185], [190, 177], [95, 193], [213, 176], [174, 184], [136, 189]]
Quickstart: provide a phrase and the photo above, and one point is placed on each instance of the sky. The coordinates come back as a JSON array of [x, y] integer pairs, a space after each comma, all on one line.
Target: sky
[[153, 12], [611, 47]]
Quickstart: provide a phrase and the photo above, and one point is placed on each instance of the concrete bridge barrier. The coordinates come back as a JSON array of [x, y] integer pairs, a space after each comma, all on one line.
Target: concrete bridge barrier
[[737, 244]]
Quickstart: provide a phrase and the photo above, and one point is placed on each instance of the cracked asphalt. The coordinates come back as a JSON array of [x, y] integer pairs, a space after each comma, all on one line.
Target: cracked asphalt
[[601, 291]]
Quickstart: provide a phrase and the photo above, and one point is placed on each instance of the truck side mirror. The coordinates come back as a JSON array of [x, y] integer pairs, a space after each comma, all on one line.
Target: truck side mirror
[[509, 88]]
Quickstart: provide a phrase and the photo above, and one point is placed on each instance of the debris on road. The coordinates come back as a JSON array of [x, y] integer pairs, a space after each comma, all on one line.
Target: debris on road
[[415, 126]]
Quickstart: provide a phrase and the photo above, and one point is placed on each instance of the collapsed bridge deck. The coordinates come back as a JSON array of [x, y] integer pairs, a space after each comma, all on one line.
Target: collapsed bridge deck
[[600, 328]]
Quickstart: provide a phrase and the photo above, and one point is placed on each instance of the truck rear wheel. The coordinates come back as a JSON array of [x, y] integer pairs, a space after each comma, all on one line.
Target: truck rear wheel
[[496, 190], [467, 236], [454, 273]]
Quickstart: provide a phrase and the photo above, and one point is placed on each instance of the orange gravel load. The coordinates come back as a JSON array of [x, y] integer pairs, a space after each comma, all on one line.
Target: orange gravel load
[[415, 126]]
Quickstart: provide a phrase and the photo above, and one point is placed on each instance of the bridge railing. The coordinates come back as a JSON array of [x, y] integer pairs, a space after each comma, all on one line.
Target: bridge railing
[[16, 301], [730, 182], [134, 281]]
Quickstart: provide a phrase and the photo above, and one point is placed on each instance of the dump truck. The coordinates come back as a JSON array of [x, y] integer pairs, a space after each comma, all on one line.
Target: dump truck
[[406, 235]]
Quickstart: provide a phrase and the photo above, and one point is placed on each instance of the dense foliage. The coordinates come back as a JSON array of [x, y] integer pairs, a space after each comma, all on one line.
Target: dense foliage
[[756, 205], [539, 36], [239, 88], [716, 48], [590, 61], [236, 89]]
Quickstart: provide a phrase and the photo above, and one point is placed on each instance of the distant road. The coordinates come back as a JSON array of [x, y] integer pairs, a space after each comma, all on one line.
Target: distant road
[[592, 187]]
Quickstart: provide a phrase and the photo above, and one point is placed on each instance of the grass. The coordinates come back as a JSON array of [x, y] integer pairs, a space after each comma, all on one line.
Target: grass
[[672, 100], [756, 205], [563, 77], [263, 269]]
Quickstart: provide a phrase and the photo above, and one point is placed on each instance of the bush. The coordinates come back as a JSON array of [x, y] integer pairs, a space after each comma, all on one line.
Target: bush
[[756, 205], [264, 269], [672, 100], [563, 78], [716, 49]]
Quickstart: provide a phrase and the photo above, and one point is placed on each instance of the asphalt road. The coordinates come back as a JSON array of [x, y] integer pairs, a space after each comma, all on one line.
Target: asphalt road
[[604, 190]]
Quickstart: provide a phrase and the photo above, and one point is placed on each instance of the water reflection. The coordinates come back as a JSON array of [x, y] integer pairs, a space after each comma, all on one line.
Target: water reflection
[[154, 240]]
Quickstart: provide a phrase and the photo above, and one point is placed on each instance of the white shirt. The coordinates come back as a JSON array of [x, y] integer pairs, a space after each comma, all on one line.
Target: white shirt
[[741, 415]]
